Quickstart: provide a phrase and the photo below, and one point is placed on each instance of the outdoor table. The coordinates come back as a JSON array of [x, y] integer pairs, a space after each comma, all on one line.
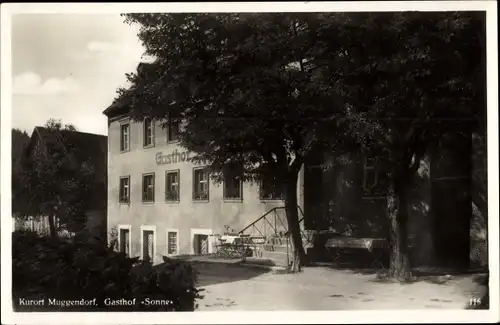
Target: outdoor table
[[375, 246], [233, 246]]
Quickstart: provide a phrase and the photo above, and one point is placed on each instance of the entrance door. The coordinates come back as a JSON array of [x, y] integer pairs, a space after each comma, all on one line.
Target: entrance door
[[200, 244], [124, 241], [148, 245]]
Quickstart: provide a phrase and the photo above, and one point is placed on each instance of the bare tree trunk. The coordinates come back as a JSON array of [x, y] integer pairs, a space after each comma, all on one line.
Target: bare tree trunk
[[52, 225], [292, 216], [397, 212]]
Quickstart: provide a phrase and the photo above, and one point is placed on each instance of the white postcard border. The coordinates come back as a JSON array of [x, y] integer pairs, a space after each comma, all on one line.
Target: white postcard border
[[348, 317]]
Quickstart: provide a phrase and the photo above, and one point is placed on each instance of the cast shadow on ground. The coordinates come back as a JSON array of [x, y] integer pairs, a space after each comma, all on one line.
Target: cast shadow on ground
[[210, 273]]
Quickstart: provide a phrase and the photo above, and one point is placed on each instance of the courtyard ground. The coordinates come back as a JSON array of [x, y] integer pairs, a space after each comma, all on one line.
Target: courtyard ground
[[235, 287]]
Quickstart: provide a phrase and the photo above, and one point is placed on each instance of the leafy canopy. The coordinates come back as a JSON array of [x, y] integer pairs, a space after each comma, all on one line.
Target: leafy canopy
[[243, 86]]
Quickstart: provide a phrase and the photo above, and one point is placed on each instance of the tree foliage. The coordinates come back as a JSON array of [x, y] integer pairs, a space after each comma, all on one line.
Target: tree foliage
[[56, 179], [238, 84], [20, 140], [242, 88]]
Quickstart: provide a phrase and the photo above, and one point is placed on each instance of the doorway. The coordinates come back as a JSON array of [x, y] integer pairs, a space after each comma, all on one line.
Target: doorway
[[200, 241], [200, 244], [148, 245]]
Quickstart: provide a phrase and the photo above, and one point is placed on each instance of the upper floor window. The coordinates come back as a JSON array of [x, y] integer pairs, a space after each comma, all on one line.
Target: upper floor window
[[270, 191], [124, 189], [148, 187], [233, 189], [200, 184], [125, 137], [172, 186], [172, 131], [370, 173], [149, 132]]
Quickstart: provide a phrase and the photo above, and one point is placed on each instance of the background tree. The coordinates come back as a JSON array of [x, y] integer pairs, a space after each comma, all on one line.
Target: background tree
[[241, 85], [415, 79], [56, 180], [20, 140]]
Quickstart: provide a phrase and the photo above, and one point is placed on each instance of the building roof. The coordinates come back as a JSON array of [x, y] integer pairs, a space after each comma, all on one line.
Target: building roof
[[120, 105]]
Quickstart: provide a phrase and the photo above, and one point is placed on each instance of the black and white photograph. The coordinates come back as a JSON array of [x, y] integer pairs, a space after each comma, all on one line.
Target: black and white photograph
[[308, 159]]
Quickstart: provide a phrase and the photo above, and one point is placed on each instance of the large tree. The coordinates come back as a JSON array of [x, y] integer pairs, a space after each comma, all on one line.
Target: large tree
[[417, 79], [244, 89], [56, 179], [263, 91]]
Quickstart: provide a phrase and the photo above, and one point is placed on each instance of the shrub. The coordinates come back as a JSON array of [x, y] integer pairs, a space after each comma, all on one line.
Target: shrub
[[71, 270]]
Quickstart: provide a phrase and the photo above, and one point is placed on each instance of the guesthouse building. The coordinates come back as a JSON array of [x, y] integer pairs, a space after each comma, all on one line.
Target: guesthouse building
[[160, 203]]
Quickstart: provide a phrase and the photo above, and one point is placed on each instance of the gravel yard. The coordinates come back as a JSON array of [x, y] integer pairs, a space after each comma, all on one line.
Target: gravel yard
[[232, 287]]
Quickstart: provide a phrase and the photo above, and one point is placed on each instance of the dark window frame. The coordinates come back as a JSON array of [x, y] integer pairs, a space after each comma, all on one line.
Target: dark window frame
[[234, 180], [262, 194], [145, 132], [167, 186], [144, 199], [196, 197], [125, 145], [173, 137], [120, 197]]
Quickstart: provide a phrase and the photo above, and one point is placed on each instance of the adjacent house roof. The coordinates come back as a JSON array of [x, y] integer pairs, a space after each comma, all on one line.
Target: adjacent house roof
[[90, 146]]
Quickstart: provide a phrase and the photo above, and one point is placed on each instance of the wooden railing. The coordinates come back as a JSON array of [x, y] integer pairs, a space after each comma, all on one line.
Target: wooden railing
[[273, 226]]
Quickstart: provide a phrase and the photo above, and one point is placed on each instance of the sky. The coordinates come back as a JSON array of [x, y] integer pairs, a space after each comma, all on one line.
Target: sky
[[68, 67]]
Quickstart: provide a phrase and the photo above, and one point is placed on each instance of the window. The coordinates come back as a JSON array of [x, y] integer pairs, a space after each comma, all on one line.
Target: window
[[124, 189], [148, 188], [269, 191], [172, 131], [148, 132], [124, 240], [200, 184], [232, 186], [370, 173], [125, 137], [172, 186], [172, 242]]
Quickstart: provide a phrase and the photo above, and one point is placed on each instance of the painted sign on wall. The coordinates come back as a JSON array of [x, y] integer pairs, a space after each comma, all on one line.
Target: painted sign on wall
[[173, 158]]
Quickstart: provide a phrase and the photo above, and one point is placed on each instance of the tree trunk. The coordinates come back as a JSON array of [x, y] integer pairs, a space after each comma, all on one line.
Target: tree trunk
[[292, 216], [52, 226], [397, 212]]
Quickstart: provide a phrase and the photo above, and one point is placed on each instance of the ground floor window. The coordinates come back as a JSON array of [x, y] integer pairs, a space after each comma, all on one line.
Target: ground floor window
[[172, 242]]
